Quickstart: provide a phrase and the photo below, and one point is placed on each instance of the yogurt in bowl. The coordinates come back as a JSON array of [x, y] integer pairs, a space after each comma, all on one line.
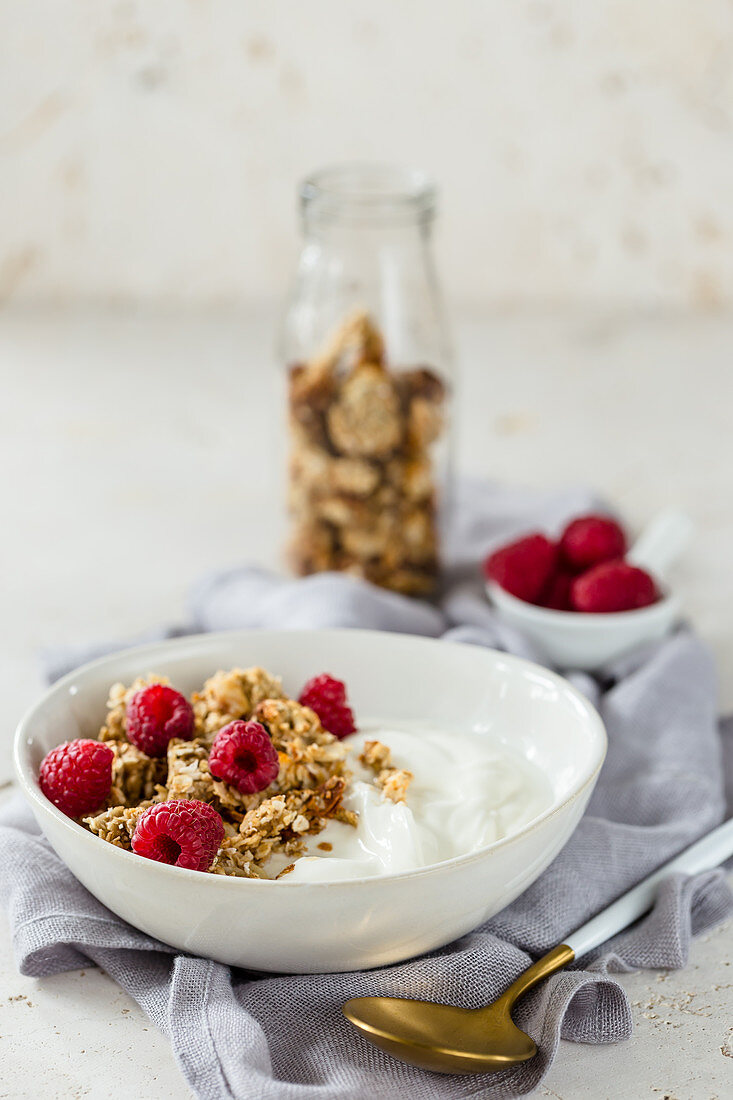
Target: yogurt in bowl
[[525, 729], [466, 792]]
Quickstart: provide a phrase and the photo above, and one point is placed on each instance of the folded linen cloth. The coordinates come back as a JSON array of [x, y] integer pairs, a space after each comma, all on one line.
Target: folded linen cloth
[[247, 1035]]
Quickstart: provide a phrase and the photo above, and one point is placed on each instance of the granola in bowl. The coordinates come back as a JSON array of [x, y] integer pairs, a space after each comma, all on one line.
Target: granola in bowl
[[243, 780], [304, 790]]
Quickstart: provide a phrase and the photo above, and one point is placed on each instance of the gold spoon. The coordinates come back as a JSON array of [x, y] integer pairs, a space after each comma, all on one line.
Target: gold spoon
[[448, 1039]]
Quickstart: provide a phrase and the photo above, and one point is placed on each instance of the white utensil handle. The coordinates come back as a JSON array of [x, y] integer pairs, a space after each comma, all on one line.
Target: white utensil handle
[[707, 853], [662, 542]]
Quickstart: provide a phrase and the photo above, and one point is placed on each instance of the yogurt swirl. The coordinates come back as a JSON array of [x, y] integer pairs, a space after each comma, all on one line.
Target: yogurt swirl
[[468, 791]]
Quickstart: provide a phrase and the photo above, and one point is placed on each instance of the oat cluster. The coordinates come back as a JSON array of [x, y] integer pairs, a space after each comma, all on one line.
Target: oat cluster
[[392, 781], [309, 790], [362, 485]]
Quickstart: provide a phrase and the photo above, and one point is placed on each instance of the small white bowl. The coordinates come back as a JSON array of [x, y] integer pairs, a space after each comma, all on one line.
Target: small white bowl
[[306, 927], [579, 640]]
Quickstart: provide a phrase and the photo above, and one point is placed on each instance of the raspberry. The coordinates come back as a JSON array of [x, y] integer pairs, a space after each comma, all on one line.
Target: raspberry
[[77, 776], [184, 833], [157, 714], [523, 567], [556, 593], [327, 697], [590, 540], [244, 756], [613, 586]]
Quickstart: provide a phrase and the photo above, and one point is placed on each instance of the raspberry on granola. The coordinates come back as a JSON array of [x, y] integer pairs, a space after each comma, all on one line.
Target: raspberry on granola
[[115, 727], [309, 755]]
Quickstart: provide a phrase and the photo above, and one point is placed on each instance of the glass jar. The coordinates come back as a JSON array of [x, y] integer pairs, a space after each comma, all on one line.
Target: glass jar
[[368, 381]]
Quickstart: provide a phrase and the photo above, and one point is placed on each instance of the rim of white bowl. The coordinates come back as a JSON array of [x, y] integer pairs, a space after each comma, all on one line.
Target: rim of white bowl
[[595, 620], [29, 782]]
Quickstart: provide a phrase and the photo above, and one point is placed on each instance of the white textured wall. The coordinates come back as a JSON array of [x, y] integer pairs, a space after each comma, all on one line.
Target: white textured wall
[[149, 151]]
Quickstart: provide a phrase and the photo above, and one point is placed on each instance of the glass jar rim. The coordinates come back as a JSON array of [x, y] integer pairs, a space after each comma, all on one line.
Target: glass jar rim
[[368, 191]]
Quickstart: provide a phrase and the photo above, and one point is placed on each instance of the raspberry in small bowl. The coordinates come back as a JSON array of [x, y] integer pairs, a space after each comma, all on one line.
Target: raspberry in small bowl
[[583, 601]]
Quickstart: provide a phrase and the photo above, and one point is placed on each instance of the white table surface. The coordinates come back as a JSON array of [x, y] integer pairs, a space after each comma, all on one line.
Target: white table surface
[[139, 451]]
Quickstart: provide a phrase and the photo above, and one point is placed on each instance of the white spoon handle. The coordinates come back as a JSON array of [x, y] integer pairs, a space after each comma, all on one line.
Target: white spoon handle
[[707, 853], [662, 542]]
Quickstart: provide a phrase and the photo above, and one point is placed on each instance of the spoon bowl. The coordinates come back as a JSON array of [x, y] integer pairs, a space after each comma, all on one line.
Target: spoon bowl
[[446, 1039], [442, 1038]]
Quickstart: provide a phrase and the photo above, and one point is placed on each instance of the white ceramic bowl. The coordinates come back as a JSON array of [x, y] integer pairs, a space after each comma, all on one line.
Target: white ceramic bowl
[[326, 926], [574, 639]]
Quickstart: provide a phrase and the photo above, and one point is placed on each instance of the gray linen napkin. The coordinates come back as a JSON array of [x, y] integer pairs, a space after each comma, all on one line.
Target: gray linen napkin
[[246, 1035]]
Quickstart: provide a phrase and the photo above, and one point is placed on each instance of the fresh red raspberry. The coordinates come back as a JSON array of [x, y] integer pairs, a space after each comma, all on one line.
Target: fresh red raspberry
[[613, 586], [556, 593], [77, 776], [183, 832], [157, 714], [589, 540], [244, 756], [327, 697], [523, 567]]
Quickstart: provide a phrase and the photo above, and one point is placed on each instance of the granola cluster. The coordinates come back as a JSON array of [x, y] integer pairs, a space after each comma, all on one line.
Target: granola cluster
[[362, 485], [227, 696], [312, 778], [392, 781]]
